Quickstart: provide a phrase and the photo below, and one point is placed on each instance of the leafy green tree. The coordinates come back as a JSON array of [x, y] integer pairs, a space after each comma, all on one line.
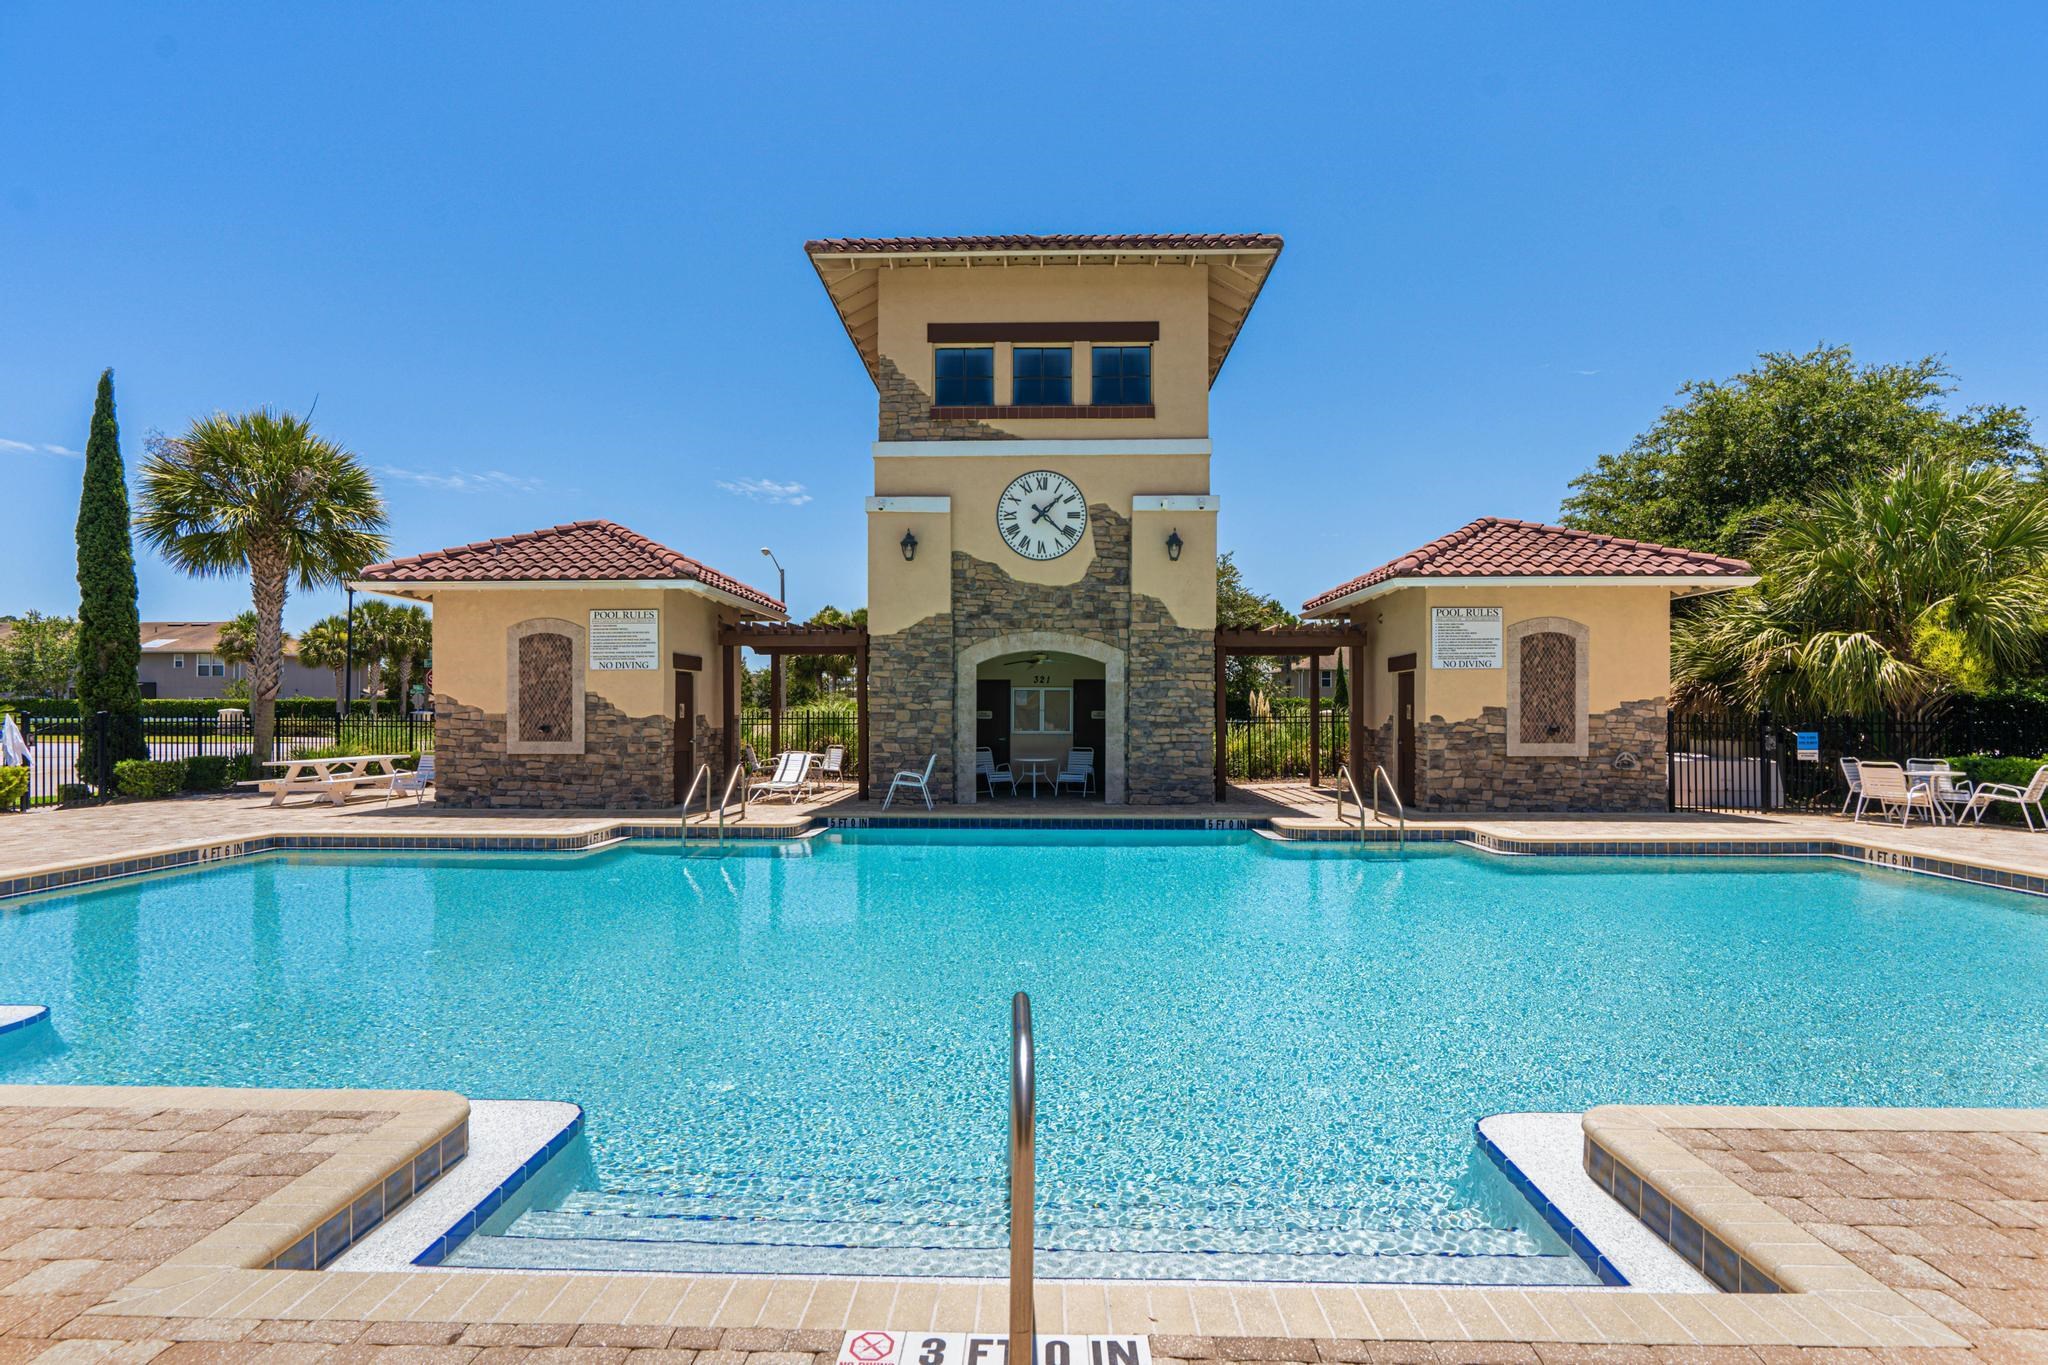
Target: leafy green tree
[[1887, 594], [1245, 677], [1340, 695], [407, 638], [324, 644], [260, 493], [811, 676], [38, 656], [109, 627], [1739, 454]]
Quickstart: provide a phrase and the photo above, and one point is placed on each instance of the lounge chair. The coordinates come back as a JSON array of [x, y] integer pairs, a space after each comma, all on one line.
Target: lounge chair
[[2028, 798], [415, 782], [987, 770], [792, 777], [1852, 774], [911, 780], [832, 768], [1886, 785], [1079, 769]]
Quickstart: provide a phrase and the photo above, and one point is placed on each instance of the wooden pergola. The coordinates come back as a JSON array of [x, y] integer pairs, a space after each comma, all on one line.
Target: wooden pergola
[[775, 639], [1288, 642]]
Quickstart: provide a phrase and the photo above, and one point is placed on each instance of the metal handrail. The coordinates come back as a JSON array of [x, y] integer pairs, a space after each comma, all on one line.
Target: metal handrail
[[1023, 1178], [738, 771], [1379, 778], [704, 777], [1346, 780]]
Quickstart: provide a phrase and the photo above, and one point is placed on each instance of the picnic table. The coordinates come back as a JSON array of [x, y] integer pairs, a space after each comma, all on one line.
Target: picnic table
[[334, 778]]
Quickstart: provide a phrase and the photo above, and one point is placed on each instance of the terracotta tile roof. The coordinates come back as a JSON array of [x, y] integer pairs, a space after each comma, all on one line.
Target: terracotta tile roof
[[1137, 241], [1500, 547], [579, 551]]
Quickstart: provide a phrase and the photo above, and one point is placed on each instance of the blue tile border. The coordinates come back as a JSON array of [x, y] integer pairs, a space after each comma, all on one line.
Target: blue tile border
[[1677, 1229], [1582, 1246], [470, 1221], [1951, 869], [348, 1226]]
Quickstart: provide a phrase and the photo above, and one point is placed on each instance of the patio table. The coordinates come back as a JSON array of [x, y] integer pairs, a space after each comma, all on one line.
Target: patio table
[[333, 778], [1034, 769]]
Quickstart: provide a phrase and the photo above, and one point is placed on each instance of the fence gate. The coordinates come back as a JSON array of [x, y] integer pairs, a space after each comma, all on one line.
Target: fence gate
[[1724, 762]]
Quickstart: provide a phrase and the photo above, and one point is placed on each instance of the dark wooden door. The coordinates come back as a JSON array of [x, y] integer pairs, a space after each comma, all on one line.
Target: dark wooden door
[[992, 717], [686, 733], [1404, 735], [1091, 724]]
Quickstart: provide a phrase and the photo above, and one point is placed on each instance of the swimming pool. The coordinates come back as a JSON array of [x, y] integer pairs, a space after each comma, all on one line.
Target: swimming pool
[[1255, 1061]]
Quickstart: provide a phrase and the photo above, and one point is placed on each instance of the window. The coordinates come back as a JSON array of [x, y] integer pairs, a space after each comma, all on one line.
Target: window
[[1123, 374], [177, 661], [1042, 376], [1041, 710], [966, 376], [210, 666]]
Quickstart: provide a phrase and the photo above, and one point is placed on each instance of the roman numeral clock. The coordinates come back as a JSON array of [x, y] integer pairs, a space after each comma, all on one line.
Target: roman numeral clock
[[1041, 515]]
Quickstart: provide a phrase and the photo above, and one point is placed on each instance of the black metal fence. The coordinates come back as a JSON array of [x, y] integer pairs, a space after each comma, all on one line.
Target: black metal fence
[[56, 745], [1731, 762], [814, 729], [1277, 746]]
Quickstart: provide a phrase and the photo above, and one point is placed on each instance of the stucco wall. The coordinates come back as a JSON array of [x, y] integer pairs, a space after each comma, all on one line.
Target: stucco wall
[[1177, 299]]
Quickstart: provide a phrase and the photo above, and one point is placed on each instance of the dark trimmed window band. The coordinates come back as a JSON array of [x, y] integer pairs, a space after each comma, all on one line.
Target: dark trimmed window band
[[1012, 412], [953, 333], [1676, 1228]]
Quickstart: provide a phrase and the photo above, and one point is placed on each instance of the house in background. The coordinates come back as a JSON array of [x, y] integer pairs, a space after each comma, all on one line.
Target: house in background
[[181, 659], [1295, 681]]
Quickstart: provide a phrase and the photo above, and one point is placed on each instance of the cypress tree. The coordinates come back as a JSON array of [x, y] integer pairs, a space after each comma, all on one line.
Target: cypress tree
[[109, 627]]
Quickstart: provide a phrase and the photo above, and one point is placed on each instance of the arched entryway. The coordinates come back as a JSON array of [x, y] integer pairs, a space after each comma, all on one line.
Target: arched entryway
[[1072, 667]]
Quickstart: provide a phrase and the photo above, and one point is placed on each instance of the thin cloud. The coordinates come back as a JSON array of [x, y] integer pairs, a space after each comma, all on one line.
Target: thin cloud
[[30, 448], [767, 490], [463, 481]]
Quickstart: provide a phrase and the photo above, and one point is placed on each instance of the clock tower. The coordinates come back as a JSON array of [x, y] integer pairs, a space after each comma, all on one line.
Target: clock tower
[[1042, 535]]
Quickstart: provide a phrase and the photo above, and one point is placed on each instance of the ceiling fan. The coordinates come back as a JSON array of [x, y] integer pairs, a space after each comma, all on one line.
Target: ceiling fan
[[1026, 661]]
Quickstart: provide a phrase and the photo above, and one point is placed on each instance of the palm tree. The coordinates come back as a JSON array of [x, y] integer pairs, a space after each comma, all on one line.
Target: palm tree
[[1886, 594], [408, 641], [374, 629], [324, 644], [259, 493]]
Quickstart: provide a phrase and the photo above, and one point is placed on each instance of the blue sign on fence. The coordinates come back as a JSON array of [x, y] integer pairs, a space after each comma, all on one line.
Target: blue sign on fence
[[1807, 744]]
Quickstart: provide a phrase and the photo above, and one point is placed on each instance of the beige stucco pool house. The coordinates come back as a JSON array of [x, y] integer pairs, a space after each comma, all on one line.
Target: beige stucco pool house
[[1041, 549]]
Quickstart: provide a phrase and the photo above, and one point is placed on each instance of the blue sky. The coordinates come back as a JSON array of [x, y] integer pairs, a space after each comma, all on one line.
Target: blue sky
[[543, 262]]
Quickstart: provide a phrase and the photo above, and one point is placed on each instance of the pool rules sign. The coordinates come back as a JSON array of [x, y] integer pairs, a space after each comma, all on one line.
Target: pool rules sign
[[875, 1346], [625, 641], [1464, 637]]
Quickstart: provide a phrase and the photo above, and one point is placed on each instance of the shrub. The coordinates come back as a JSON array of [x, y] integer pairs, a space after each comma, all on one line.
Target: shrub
[[13, 787], [239, 768], [73, 793], [149, 778], [206, 772], [356, 748]]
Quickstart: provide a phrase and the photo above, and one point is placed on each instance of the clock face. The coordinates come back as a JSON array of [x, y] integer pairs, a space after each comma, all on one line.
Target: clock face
[[1041, 515]]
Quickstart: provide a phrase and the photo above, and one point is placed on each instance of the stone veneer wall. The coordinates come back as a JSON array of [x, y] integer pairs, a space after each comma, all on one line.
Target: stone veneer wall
[[910, 704], [1169, 733], [1170, 744], [627, 763], [1464, 765], [906, 412]]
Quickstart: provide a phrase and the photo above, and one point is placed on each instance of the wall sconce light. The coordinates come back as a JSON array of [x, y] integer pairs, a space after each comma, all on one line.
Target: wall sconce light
[[1173, 544], [908, 545]]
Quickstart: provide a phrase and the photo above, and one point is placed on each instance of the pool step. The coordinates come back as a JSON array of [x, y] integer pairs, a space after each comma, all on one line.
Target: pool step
[[575, 1253], [912, 1229]]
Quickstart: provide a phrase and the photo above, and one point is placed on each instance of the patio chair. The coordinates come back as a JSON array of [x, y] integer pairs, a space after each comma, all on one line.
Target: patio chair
[[987, 770], [792, 777], [1079, 769], [1886, 785], [416, 781], [832, 768], [1852, 774], [911, 780], [2028, 798]]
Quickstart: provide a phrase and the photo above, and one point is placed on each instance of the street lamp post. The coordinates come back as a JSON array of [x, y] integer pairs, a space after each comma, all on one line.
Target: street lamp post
[[781, 675]]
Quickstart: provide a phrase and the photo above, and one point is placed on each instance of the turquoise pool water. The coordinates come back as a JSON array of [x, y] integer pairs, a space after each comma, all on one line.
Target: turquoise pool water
[[1253, 1060]]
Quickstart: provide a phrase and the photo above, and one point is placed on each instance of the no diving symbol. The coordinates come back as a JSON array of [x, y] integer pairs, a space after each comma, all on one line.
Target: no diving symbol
[[872, 1346]]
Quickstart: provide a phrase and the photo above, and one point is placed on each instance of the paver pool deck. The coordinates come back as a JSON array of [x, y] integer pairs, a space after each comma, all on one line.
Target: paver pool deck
[[135, 1223]]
